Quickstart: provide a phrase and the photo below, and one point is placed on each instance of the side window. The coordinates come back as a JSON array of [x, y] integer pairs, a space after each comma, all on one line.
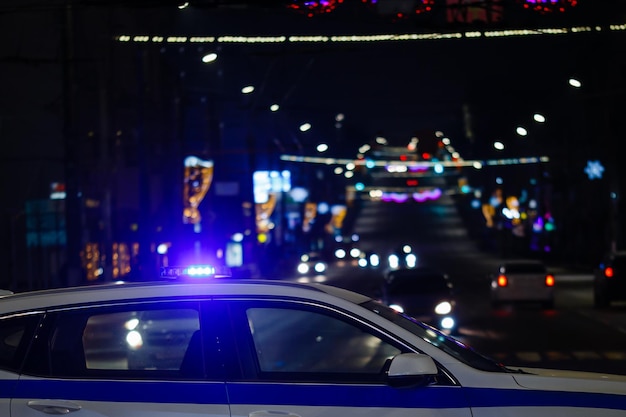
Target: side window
[[140, 341], [290, 340], [16, 334], [153, 339]]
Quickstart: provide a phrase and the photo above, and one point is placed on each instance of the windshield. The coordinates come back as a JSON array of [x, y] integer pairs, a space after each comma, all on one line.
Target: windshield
[[451, 346], [418, 285], [524, 268]]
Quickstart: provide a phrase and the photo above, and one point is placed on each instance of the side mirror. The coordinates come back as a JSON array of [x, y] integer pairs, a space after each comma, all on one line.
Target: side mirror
[[412, 370]]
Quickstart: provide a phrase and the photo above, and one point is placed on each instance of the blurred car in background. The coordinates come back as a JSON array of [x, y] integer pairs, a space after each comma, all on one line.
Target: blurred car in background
[[522, 280], [402, 257], [369, 259], [312, 263], [346, 250], [423, 293], [609, 281]]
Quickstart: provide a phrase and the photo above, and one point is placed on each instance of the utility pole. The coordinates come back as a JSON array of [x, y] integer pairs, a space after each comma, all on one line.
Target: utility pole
[[73, 212], [106, 171]]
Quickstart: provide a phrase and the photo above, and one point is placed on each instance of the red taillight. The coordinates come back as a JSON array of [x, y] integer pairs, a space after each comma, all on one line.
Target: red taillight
[[502, 281], [608, 272], [549, 280]]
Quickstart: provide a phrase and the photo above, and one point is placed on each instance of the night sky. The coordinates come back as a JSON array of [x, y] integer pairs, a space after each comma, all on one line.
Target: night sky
[[394, 88], [474, 90]]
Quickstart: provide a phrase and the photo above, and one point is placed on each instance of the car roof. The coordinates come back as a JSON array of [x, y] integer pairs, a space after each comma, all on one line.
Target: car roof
[[523, 265], [615, 259], [128, 291], [522, 261], [422, 280], [425, 283], [414, 272]]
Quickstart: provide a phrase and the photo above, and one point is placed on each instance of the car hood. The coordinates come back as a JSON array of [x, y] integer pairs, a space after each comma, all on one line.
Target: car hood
[[564, 380]]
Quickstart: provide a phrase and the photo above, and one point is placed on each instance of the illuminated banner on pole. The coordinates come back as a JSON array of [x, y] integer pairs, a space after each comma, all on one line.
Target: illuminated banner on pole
[[197, 181]]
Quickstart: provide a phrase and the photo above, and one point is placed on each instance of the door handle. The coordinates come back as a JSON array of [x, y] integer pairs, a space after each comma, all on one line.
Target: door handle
[[56, 407], [269, 413]]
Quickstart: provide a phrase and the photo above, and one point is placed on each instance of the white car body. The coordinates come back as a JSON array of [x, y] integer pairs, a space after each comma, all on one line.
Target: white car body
[[422, 380], [525, 282]]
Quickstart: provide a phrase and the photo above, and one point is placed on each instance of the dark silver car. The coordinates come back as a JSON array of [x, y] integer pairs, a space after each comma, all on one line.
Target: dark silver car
[[424, 293]]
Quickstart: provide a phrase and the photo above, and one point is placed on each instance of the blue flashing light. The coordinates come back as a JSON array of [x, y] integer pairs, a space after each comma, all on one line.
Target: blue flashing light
[[199, 270], [193, 271]]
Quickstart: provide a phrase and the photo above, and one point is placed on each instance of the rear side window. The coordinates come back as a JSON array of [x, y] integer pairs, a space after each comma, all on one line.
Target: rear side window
[[15, 335], [139, 340], [158, 340]]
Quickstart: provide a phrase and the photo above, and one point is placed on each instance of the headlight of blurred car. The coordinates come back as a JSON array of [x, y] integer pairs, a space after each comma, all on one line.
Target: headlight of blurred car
[[320, 267], [448, 323], [303, 268], [394, 261], [411, 260], [443, 307], [397, 307]]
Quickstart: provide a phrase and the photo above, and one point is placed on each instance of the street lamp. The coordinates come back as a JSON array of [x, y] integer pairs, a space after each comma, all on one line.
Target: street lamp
[[574, 83], [210, 57], [539, 118]]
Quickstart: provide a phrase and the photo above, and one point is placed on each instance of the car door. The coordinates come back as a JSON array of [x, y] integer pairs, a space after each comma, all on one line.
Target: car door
[[121, 360], [16, 333], [300, 359]]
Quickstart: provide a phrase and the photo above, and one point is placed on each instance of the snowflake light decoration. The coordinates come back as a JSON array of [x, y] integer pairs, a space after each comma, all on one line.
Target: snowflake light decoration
[[594, 170]]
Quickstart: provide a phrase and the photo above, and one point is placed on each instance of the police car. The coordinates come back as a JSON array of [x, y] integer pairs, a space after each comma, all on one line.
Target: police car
[[217, 346]]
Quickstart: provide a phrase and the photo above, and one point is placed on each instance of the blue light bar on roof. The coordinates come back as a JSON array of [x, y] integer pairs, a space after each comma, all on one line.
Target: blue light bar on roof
[[199, 270], [192, 271]]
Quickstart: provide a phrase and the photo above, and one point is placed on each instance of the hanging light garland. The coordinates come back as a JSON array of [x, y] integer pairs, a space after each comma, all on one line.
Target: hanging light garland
[[319, 7], [314, 8], [549, 6]]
